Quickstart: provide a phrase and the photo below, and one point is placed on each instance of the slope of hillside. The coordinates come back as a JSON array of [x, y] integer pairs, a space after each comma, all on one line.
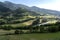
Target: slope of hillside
[[3, 9], [14, 6]]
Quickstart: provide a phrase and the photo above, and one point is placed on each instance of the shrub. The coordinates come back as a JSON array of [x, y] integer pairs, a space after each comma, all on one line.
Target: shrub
[[52, 29], [7, 27], [17, 32]]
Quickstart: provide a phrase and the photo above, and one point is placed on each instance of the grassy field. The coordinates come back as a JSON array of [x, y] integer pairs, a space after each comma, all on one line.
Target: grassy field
[[33, 36], [21, 24]]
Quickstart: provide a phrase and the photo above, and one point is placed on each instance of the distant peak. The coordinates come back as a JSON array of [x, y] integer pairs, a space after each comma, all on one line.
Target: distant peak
[[35, 6], [7, 1]]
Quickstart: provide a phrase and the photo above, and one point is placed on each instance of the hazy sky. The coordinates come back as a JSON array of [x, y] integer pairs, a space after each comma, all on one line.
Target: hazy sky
[[47, 4]]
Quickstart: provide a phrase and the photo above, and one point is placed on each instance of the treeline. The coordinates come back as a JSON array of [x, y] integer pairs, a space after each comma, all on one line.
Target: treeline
[[14, 22], [49, 28]]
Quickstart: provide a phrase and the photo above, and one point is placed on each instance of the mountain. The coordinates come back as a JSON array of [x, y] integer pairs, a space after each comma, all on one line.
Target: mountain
[[3, 9], [38, 10], [13, 6], [45, 11], [15, 9]]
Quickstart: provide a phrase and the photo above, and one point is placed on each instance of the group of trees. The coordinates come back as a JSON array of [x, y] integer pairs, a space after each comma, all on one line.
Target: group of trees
[[37, 29], [6, 27], [9, 15], [8, 21], [34, 27], [43, 29]]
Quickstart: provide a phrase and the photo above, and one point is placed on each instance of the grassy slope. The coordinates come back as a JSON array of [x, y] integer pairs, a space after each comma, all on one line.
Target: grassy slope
[[29, 22], [41, 36], [21, 24], [24, 23]]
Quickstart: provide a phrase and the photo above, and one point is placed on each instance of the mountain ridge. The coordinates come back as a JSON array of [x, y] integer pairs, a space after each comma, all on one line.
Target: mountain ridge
[[14, 6]]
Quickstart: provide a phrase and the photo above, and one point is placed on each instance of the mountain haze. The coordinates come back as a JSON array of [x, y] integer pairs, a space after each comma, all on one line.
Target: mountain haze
[[13, 6]]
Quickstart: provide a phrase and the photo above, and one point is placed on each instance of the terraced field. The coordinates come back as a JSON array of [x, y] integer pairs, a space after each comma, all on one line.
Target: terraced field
[[34, 36]]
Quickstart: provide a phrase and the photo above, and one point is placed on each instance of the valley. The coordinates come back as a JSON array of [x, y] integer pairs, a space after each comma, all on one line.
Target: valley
[[21, 22]]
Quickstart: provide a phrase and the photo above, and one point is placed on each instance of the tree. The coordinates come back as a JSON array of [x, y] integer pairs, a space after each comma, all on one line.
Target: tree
[[17, 32], [7, 27], [44, 20], [35, 24], [37, 21], [30, 28], [41, 29], [58, 25], [21, 10], [52, 29]]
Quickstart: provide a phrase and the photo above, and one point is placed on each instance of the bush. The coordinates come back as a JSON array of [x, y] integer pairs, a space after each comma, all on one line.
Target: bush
[[21, 32], [17, 32], [7, 27], [52, 29], [59, 28]]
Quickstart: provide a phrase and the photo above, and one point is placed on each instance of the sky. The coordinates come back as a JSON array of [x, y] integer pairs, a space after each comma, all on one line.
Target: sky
[[47, 4]]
